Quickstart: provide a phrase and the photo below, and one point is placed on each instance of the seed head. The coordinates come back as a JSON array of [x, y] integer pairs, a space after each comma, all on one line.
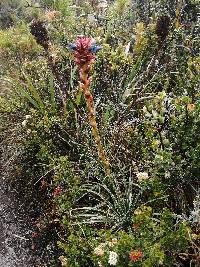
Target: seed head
[[39, 31], [162, 27]]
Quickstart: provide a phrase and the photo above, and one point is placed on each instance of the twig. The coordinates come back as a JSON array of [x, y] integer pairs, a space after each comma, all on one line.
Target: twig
[[43, 176], [21, 237]]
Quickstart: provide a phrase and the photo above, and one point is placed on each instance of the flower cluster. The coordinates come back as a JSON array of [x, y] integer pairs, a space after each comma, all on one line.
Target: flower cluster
[[113, 257], [135, 255], [39, 31], [101, 249], [191, 107], [51, 15], [162, 27], [142, 176]]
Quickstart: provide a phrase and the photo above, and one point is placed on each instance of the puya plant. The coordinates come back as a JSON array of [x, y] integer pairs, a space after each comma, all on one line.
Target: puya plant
[[114, 203]]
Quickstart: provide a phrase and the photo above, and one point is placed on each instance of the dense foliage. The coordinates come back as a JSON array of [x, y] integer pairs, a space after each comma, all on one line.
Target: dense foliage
[[144, 211]]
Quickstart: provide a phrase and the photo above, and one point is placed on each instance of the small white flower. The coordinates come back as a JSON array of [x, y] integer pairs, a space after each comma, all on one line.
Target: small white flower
[[112, 243], [156, 62], [28, 131], [141, 176], [28, 117], [154, 113], [63, 260], [113, 257], [145, 109], [103, 4], [167, 174], [159, 158], [24, 123], [91, 18], [100, 264]]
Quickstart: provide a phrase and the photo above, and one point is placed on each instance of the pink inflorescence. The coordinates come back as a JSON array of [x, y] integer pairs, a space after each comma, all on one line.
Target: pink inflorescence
[[82, 51]]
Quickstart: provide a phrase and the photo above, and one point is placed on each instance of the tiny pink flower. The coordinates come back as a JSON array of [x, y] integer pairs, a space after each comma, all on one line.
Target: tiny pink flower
[[57, 191], [35, 234]]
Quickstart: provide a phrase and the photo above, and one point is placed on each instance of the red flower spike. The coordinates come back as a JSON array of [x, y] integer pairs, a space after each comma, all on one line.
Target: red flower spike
[[83, 51]]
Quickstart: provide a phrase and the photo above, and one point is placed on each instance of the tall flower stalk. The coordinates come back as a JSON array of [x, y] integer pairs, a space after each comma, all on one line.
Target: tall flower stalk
[[83, 51]]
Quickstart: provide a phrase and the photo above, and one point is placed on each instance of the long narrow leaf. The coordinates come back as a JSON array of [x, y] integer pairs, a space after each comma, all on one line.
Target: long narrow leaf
[[34, 93], [52, 94], [19, 89], [27, 96]]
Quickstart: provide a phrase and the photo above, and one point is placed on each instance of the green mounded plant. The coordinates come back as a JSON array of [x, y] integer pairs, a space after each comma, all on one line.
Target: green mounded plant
[[151, 240], [137, 247]]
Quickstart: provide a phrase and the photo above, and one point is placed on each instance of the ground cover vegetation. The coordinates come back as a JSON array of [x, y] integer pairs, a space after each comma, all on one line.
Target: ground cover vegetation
[[100, 114]]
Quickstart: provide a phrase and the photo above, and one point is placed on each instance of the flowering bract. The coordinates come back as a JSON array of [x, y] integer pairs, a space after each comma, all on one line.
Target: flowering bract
[[82, 51]]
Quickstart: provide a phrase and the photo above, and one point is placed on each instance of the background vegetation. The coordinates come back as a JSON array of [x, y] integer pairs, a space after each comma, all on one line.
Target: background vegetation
[[145, 85]]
